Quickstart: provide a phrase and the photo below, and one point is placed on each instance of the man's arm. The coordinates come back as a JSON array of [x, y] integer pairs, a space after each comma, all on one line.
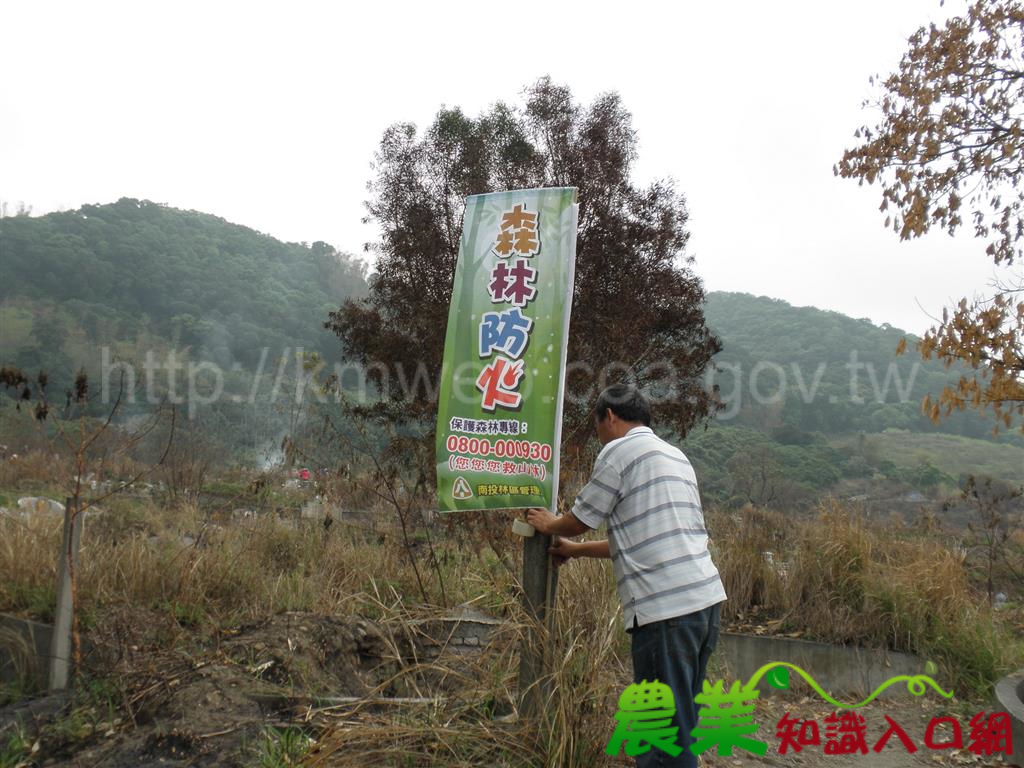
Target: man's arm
[[594, 505], [567, 525], [546, 523], [565, 549]]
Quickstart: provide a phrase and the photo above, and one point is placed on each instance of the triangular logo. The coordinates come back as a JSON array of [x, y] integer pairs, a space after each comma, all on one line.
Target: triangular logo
[[461, 489]]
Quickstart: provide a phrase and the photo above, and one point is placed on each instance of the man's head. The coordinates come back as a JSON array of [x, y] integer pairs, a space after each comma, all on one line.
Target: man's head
[[620, 408]]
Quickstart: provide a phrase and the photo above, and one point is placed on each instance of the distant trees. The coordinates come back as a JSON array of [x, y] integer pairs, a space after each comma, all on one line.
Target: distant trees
[[636, 301], [756, 475], [839, 374], [188, 461], [948, 153], [7, 208], [197, 279]]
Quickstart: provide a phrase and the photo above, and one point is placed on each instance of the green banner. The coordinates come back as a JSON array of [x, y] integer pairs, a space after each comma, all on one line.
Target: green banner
[[499, 416]]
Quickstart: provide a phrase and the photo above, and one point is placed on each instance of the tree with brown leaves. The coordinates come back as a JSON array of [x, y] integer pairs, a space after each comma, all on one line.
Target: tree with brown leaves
[[637, 307], [948, 153]]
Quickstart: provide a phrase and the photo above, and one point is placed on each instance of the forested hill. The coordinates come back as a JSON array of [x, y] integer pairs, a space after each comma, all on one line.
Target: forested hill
[[108, 273], [137, 275], [838, 374]]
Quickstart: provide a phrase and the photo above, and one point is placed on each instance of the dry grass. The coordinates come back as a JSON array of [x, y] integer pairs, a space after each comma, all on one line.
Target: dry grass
[[835, 578], [589, 670], [832, 577], [229, 574], [133, 555], [31, 471], [20, 665]]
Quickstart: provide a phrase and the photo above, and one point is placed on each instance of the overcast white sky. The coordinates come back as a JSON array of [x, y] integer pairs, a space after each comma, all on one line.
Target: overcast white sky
[[268, 115]]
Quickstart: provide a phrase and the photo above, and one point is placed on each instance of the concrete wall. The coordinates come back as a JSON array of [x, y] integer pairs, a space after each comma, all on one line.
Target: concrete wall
[[465, 630], [847, 673]]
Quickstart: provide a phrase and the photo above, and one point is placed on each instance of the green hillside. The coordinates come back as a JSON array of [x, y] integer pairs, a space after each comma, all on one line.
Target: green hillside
[[951, 454], [134, 279], [815, 400], [107, 273], [806, 369]]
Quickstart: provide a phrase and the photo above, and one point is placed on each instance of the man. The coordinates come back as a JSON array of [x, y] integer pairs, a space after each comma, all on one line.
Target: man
[[644, 491]]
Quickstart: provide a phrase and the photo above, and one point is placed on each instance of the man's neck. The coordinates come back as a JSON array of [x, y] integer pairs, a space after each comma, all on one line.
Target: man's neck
[[627, 427]]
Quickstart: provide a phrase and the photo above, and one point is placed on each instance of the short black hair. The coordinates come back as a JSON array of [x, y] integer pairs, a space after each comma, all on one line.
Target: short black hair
[[626, 401]]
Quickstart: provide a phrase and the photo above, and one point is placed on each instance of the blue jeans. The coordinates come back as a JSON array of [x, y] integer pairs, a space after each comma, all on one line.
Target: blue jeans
[[676, 652]]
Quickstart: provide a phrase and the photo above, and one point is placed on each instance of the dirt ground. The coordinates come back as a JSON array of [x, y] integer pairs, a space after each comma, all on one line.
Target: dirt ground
[[211, 706]]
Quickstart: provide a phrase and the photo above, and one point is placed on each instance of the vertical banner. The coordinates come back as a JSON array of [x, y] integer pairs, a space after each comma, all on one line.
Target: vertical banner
[[499, 416]]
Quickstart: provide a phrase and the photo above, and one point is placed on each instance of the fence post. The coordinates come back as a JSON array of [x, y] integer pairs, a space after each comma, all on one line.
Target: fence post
[[540, 582], [60, 645]]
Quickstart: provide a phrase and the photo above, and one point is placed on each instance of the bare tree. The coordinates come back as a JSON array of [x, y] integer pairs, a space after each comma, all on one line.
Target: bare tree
[[89, 446], [996, 516]]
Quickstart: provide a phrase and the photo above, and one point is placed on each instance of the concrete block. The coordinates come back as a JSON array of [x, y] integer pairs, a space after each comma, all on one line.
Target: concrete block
[[1009, 698]]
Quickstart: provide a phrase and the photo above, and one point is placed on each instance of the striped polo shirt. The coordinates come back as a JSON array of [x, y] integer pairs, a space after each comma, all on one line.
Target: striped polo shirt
[[645, 491]]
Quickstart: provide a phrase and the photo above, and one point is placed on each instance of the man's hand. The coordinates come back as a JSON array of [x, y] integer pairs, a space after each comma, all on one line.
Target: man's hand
[[541, 519], [548, 524], [562, 550]]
